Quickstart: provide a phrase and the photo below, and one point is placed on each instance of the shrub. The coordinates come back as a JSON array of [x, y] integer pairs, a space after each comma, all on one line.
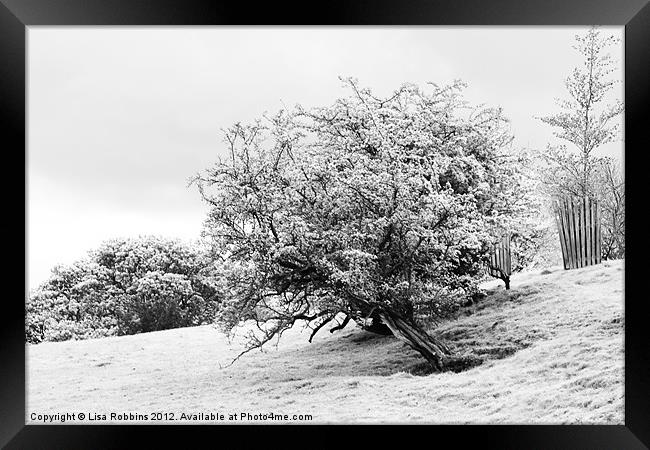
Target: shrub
[[126, 286]]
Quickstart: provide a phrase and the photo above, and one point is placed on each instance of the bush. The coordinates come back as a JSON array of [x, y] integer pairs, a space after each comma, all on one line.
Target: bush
[[127, 286]]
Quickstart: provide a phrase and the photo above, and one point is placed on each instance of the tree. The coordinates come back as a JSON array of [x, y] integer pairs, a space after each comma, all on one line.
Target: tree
[[126, 286], [376, 210], [586, 121], [611, 191]]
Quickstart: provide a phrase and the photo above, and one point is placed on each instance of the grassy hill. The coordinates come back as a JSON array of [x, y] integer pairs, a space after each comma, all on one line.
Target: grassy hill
[[552, 349]]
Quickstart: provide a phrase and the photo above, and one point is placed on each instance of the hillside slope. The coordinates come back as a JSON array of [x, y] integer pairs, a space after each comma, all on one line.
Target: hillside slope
[[553, 346]]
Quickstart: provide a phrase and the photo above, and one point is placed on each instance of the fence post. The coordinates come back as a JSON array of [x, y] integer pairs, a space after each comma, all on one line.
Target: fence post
[[560, 227], [598, 236]]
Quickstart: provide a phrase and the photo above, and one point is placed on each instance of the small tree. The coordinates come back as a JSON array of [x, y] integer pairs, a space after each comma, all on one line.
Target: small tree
[[585, 122], [611, 188], [377, 210]]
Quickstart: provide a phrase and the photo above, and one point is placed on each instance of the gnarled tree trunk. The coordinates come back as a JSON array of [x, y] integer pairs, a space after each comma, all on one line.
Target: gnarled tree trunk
[[433, 350], [402, 325]]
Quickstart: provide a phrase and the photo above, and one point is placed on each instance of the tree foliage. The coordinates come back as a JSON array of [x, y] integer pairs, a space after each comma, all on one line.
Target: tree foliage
[[126, 286], [377, 210], [611, 192], [586, 122]]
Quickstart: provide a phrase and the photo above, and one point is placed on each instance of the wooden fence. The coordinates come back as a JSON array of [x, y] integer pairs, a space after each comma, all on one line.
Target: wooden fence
[[500, 260], [578, 224]]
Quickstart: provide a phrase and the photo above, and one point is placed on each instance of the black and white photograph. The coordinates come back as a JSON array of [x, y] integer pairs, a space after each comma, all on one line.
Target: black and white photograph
[[325, 225]]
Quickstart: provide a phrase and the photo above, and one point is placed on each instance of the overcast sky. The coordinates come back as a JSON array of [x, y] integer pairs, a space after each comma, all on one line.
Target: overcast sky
[[119, 118]]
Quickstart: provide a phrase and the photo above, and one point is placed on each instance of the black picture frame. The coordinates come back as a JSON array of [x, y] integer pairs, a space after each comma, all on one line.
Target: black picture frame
[[16, 15]]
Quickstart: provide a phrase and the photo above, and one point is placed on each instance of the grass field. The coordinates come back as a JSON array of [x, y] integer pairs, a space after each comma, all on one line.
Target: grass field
[[553, 350]]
